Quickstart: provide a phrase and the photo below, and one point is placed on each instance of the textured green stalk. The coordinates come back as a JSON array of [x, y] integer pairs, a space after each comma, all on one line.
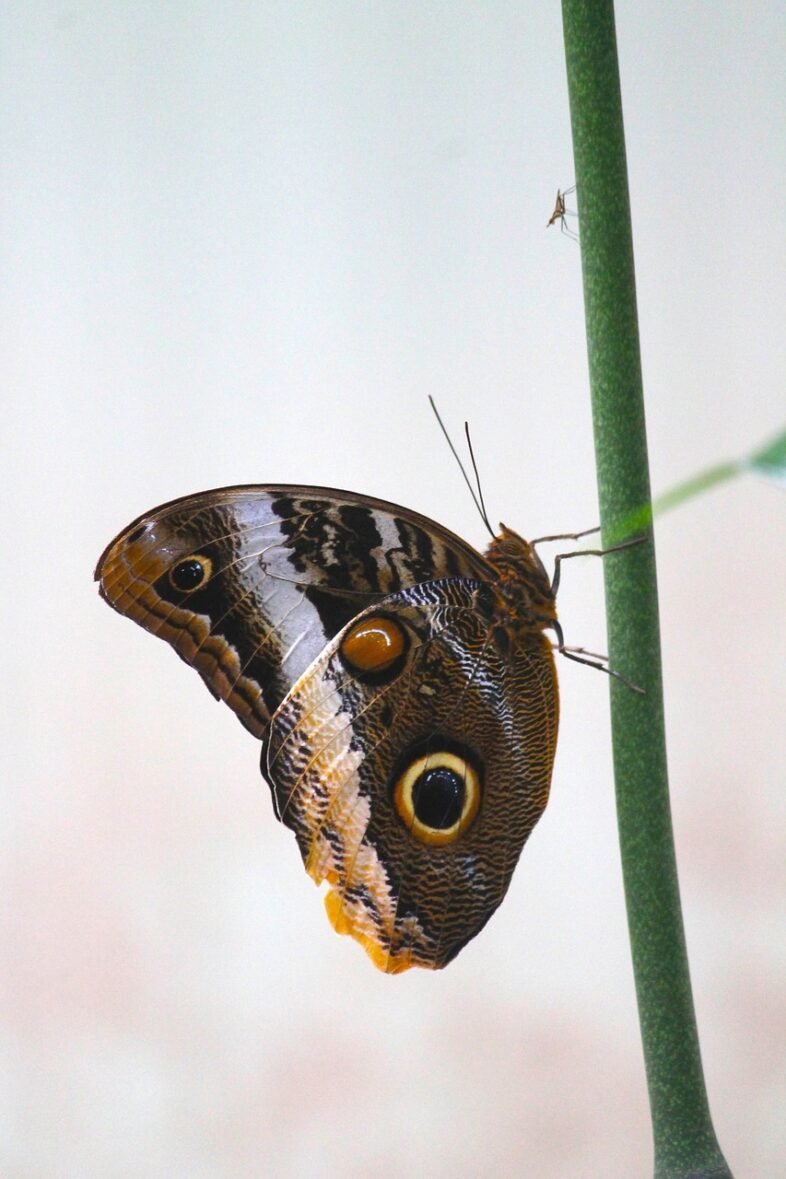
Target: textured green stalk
[[684, 1139]]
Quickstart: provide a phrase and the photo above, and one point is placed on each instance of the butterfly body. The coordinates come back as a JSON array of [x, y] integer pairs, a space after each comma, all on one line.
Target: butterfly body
[[401, 685]]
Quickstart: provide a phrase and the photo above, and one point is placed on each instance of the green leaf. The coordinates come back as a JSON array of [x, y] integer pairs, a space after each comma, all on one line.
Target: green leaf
[[770, 461]]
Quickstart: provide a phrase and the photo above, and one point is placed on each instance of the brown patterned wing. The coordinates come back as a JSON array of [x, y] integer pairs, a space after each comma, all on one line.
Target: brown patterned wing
[[249, 583], [412, 761]]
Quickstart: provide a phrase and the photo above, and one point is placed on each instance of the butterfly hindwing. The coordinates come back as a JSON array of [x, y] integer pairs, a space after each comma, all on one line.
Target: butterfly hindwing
[[351, 745]]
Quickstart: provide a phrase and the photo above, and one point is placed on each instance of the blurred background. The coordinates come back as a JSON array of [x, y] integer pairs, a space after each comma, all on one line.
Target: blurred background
[[243, 243]]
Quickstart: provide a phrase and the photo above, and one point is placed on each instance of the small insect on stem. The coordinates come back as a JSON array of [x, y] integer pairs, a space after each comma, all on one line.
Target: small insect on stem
[[561, 211]]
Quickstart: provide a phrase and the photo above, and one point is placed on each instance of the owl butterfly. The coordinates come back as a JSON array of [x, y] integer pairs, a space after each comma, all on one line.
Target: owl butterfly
[[400, 683]]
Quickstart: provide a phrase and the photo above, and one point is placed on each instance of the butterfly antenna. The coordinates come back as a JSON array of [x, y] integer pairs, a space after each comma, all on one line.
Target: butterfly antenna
[[478, 502], [483, 512]]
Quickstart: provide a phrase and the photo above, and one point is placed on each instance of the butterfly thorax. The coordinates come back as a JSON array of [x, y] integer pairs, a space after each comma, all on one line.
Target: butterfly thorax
[[525, 596]]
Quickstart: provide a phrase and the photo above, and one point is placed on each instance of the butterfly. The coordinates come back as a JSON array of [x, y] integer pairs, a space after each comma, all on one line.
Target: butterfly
[[401, 685]]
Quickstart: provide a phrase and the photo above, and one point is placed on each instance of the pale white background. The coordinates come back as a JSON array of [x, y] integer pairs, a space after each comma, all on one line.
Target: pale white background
[[243, 242]]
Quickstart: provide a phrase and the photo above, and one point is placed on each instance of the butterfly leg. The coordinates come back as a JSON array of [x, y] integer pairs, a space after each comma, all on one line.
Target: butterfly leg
[[565, 536], [615, 548], [591, 659]]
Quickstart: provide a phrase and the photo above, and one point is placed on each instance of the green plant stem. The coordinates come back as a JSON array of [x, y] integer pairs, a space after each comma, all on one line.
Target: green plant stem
[[684, 1138]]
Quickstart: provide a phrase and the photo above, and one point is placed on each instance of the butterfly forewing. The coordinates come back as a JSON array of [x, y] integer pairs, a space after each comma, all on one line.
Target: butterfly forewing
[[284, 568]]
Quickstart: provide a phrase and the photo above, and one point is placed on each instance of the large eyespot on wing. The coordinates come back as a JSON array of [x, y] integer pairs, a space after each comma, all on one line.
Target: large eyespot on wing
[[413, 769], [182, 577], [437, 792], [248, 583]]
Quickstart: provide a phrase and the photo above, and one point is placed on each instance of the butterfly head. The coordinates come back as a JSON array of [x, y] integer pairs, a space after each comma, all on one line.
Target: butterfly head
[[523, 581]]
